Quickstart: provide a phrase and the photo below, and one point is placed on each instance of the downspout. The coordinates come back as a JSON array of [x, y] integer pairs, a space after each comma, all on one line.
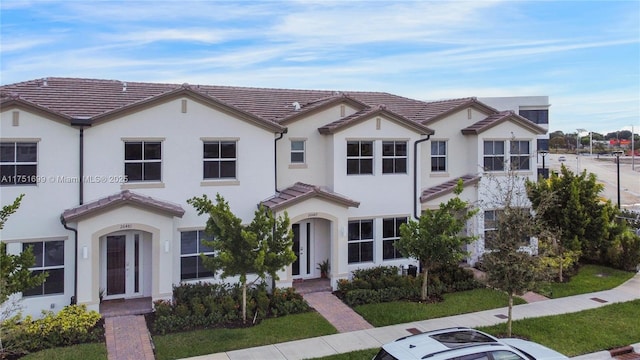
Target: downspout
[[415, 176], [81, 168], [275, 157], [74, 298]]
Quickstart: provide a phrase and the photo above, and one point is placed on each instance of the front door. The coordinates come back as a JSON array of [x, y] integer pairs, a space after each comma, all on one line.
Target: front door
[[122, 265], [302, 267]]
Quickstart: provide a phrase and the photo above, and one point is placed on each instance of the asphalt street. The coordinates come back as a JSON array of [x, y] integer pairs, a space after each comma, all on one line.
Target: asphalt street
[[606, 170]]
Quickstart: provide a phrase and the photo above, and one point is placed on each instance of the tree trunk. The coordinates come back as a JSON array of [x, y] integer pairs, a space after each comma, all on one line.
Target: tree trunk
[[561, 265], [509, 318], [425, 280], [244, 302]]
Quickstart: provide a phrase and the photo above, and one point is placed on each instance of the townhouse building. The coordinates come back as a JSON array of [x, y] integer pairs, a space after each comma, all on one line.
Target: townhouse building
[[107, 167]]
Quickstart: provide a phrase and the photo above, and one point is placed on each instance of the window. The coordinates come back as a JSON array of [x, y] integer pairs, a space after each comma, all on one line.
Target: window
[[297, 151], [438, 156], [359, 157], [494, 155], [191, 247], [505, 355], [49, 256], [394, 157], [220, 158], [390, 235], [490, 228], [543, 144], [520, 155], [360, 241], [18, 163], [536, 116], [143, 160]]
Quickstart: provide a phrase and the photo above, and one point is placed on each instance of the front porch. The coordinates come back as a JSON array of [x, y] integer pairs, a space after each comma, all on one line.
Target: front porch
[[122, 307]]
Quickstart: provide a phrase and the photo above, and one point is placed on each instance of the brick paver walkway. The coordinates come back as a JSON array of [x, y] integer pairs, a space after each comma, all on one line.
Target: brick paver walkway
[[336, 312], [128, 338]]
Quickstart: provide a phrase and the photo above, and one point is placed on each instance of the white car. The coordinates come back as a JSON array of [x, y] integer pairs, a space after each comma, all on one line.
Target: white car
[[464, 344]]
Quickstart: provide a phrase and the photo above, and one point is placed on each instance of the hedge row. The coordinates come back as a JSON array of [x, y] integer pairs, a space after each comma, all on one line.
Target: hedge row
[[203, 305], [72, 325], [385, 284]]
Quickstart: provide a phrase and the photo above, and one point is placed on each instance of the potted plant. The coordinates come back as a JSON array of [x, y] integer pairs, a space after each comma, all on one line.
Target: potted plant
[[324, 268]]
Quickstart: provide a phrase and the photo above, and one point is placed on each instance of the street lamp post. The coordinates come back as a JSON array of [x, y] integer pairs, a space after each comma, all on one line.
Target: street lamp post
[[617, 154], [543, 153], [578, 132]]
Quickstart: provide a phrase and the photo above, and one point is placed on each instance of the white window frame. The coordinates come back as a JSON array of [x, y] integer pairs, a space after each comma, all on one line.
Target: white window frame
[[143, 160], [439, 156], [44, 267], [200, 235], [397, 221], [361, 158], [219, 160], [493, 155], [518, 158], [302, 151], [361, 241], [14, 178], [395, 158]]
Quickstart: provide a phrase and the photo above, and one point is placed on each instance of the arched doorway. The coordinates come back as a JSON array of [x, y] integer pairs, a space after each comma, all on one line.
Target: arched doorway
[[125, 265]]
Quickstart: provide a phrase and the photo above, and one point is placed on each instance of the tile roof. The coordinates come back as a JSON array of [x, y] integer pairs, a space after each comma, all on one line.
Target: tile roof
[[300, 192], [498, 118], [447, 187], [368, 113], [122, 198], [73, 98]]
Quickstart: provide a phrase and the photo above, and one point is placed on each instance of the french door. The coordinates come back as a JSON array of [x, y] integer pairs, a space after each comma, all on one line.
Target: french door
[[303, 266], [122, 265]]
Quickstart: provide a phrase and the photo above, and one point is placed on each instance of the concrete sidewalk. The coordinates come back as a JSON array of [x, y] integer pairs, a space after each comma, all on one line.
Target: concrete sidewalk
[[373, 338]]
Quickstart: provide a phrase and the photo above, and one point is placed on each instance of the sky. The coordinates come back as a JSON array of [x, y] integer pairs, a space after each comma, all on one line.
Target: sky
[[584, 55]]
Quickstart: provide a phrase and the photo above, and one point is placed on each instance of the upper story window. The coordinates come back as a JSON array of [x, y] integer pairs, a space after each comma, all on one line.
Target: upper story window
[[520, 155], [359, 157], [18, 163], [360, 241], [143, 160], [49, 256], [536, 116], [394, 157], [438, 156], [298, 149], [220, 159], [494, 155], [390, 235], [191, 247]]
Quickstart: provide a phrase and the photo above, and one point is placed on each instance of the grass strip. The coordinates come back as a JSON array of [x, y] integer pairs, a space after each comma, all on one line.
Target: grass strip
[[399, 312], [590, 278], [91, 351], [269, 331]]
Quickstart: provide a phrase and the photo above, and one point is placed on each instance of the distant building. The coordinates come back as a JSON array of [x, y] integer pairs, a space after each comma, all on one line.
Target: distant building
[[534, 108]]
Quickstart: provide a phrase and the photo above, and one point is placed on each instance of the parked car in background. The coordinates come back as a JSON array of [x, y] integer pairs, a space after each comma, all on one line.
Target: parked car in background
[[464, 344]]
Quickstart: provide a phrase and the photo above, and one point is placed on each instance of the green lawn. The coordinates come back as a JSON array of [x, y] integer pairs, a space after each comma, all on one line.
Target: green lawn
[[270, 331], [590, 278], [571, 334], [399, 312], [583, 332], [93, 351]]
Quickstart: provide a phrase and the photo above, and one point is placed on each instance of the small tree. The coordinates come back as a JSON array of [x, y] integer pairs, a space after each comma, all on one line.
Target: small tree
[[437, 239], [510, 267], [261, 248], [276, 242]]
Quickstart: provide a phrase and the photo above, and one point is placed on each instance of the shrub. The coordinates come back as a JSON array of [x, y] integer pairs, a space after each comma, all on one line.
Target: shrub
[[72, 325], [203, 305]]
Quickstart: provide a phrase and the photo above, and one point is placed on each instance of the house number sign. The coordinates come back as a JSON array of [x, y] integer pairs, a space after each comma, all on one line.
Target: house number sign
[[125, 226]]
